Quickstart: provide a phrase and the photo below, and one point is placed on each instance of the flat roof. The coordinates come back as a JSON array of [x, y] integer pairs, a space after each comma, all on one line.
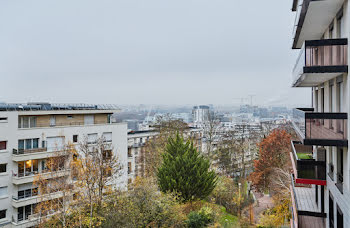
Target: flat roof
[[42, 106]]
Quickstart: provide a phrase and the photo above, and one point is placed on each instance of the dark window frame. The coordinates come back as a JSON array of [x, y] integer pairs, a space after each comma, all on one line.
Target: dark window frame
[[3, 143], [75, 138], [2, 166], [3, 214]]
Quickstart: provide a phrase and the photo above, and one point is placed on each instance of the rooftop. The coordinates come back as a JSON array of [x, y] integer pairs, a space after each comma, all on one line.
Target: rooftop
[[43, 106]]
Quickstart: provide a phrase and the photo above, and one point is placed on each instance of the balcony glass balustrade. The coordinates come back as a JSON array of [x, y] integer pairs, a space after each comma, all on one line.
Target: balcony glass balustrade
[[320, 128]]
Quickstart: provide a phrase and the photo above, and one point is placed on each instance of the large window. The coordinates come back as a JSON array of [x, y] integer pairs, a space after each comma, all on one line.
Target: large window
[[3, 145], [25, 212], [27, 168], [26, 193], [28, 144], [26, 121]]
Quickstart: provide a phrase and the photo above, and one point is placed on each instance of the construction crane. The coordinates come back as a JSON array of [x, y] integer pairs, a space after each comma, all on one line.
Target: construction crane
[[241, 98], [251, 99]]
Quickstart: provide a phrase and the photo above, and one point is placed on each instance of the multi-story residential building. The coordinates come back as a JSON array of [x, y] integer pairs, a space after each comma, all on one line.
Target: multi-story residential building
[[137, 141], [321, 161], [31, 133], [136, 152]]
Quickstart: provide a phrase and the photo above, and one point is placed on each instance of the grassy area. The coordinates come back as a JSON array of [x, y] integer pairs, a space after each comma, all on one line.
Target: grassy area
[[228, 220], [304, 156]]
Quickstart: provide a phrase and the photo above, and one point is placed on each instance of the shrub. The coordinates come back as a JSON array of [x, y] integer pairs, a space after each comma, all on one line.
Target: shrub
[[202, 218]]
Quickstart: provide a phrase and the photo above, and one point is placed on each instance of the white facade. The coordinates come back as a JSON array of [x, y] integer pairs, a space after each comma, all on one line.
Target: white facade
[[13, 180]]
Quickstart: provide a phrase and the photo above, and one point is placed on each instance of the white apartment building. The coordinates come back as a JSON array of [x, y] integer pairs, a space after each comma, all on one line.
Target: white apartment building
[[200, 114], [31, 133], [321, 161], [136, 154], [137, 141]]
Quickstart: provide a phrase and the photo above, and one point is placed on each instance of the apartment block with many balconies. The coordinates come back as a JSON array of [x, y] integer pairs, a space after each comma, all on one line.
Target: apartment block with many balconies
[[320, 186], [31, 133]]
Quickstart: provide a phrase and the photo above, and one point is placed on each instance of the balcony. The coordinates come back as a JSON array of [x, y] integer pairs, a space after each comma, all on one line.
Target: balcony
[[21, 202], [22, 178], [306, 169], [65, 124], [312, 18], [37, 153], [305, 212], [320, 61], [320, 128]]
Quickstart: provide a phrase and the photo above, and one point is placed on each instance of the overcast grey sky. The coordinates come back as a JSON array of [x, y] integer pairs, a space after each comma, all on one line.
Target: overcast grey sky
[[147, 51]]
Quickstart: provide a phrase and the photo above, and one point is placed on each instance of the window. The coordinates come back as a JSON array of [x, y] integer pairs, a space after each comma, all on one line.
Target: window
[[331, 32], [107, 136], [52, 121], [339, 25], [129, 153], [3, 191], [3, 145], [340, 95], [3, 119], [26, 121], [331, 211], [107, 154], [2, 214], [28, 144], [340, 218], [75, 138], [69, 117], [55, 143], [3, 168], [27, 193], [92, 138], [89, 119]]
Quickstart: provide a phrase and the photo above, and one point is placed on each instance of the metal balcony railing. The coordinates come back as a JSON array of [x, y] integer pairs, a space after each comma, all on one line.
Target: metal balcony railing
[[320, 128], [36, 125], [321, 56], [28, 151], [306, 166]]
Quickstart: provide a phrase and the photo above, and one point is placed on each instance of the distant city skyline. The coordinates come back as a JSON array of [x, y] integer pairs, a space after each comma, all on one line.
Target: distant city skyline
[[154, 52]]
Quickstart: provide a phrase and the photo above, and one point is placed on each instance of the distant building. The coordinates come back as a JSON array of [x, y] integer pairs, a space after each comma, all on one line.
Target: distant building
[[200, 114], [137, 142]]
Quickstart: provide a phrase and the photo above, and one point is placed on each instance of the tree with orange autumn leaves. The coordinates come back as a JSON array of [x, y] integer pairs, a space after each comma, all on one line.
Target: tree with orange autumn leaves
[[273, 153]]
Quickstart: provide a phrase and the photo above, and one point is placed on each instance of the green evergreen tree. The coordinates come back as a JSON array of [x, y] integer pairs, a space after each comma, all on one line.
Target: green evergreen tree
[[185, 171]]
